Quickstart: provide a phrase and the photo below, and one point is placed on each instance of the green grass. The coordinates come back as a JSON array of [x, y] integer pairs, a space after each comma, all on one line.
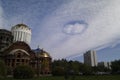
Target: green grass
[[105, 77]]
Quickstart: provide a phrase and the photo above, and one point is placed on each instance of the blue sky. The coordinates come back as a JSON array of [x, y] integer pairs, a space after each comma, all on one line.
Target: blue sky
[[68, 28]]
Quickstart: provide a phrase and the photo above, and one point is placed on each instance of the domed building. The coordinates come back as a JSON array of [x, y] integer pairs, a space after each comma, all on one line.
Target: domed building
[[19, 53], [21, 32], [15, 50], [6, 39], [43, 61]]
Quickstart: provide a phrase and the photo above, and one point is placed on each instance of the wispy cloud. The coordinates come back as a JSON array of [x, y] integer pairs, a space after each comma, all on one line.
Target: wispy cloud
[[76, 27], [102, 18], [58, 28]]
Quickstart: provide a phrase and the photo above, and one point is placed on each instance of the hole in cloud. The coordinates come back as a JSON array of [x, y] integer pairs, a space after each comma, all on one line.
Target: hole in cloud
[[75, 27]]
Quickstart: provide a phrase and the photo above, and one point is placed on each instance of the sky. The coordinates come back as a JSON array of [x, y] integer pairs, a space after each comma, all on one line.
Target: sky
[[68, 28]]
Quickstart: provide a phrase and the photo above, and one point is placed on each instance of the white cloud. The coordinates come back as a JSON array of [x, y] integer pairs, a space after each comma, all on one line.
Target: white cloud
[[76, 28], [103, 27]]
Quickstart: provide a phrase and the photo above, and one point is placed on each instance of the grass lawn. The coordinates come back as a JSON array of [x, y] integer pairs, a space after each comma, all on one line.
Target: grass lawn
[[105, 77]]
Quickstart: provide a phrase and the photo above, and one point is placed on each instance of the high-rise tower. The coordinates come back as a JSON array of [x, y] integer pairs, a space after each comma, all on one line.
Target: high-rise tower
[[21, 32], [90, 58]]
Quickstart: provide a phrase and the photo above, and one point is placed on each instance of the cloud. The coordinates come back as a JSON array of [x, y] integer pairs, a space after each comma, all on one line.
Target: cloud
[[102, 31], [93, 24], [31, 13], [74, 28]]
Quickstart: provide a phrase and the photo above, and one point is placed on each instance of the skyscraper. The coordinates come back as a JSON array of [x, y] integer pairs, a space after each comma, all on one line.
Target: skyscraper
[[90, 58], [21, 32]]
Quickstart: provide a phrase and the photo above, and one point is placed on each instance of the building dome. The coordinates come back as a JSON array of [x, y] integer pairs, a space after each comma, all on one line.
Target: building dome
[[21, 32], [41, 53], [44, 59], [44, 54], [20, 26]]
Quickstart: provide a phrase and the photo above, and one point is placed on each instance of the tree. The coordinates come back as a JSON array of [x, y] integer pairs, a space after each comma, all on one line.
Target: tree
[[74, 67], [85, 69], [58, 71], [3, 70], [23, 72], [64, 67], [9, 70], [116, 66], [59, 67]]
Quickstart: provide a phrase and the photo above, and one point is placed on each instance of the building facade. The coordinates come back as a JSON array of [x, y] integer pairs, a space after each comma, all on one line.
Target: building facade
[[19, 53], [44, 59], [90, 58], [105, 64], [6, 39], [21, 32], [15, 50]]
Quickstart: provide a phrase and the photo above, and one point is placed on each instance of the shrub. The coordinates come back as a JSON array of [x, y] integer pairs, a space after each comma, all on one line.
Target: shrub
[[23, 72], [3, 70], [58, 71]]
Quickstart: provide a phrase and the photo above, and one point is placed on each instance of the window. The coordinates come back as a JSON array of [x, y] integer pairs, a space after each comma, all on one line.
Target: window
[[12, 64], [18, 60], [18, 55], [22, 60], [7, 39], [17, 64], [8, 60], [13, 60], [1, 37]]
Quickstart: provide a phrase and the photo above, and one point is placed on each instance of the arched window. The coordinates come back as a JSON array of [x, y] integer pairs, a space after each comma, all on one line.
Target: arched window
[[7, 39], [1, 37], [18, 55]]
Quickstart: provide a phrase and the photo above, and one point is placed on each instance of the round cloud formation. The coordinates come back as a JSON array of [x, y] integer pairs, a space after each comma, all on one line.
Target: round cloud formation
[[103, 19], [103, 31], [76, 27]]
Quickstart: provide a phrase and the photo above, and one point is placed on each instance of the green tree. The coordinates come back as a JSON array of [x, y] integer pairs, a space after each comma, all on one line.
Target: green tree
[[74, 67], [64, 67], [3, 70], [59, 67], [58, 71], [116, 66], [9, 71], [85, 69], [23, 72]]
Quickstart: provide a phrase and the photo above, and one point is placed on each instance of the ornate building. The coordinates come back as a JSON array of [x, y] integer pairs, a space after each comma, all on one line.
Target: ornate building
[[43, 60], [6, 39], [21, 32], [18, 52]]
